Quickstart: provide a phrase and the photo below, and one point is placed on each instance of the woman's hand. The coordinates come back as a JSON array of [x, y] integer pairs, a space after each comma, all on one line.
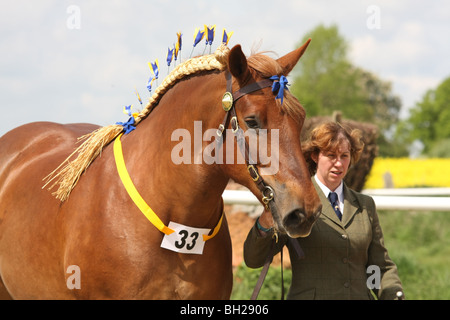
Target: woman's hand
[[265, 221]]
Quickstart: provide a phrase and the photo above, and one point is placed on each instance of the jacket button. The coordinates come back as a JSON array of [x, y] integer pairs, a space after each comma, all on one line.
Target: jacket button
[[346, 285], [344, 236]]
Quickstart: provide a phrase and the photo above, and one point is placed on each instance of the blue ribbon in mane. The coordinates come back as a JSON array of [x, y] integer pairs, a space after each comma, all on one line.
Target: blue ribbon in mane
[[279, 85], [128, 126]]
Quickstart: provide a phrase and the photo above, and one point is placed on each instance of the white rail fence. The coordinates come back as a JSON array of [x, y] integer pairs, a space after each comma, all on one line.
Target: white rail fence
[[418, 199]]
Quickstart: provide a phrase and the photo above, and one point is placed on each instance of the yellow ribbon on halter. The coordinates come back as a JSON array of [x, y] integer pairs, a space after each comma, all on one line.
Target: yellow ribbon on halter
[[137, 198]]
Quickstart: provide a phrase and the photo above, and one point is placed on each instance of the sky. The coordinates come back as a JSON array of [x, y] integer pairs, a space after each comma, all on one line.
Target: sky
[[81, 61]]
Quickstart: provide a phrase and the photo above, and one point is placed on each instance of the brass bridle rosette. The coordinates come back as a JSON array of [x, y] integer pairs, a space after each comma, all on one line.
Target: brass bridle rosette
[[227, 101]]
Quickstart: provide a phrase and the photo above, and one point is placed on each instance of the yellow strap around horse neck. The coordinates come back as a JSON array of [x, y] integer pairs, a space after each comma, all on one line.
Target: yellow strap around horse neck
[[216, 229], [132, 191], [138, 200]]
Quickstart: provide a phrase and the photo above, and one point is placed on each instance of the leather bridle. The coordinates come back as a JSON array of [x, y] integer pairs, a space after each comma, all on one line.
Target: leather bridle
[[228, 103]]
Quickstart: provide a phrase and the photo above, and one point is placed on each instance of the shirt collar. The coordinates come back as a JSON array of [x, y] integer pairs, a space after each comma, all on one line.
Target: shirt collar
[[339, 190]]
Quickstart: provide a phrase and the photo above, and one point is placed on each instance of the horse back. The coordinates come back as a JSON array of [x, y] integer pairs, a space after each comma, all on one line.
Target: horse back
[[35, 139], [37, 148]]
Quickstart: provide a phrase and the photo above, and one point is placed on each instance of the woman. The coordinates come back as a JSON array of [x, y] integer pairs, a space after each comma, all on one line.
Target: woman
[[345, 256]]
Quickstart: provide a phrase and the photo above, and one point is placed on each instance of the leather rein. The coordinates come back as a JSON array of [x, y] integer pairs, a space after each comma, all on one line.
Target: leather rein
[[228, 103]]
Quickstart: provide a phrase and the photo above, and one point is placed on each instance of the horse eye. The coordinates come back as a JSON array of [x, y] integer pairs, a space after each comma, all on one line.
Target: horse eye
[[252, 123]]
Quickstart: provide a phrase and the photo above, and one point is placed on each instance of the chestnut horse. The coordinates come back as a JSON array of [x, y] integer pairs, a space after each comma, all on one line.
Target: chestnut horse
[[97, 244]]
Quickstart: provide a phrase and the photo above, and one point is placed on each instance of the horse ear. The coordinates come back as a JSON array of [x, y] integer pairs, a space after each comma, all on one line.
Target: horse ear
[[288, 61], [237, 64]]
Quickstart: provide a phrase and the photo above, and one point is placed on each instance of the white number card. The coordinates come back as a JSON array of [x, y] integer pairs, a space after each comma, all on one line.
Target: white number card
[[185, 239]]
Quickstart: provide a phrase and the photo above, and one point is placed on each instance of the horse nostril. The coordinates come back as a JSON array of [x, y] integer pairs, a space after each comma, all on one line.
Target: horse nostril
[[294, 218]]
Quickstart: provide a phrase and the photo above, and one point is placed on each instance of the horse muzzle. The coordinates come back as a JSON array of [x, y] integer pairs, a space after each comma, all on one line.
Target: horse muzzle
[[296, 223]]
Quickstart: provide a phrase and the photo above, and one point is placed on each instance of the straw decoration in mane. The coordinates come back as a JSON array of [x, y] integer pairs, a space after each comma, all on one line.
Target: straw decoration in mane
[[138, 210]]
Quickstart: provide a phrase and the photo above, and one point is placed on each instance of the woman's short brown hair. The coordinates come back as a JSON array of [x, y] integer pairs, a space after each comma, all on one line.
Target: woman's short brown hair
[[327, 137]]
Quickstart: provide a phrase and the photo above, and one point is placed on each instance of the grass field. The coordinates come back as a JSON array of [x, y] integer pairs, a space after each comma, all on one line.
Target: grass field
[[418, 242]]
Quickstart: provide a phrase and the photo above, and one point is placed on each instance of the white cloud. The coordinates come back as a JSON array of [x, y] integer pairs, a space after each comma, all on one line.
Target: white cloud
[[402, 49], [412, 88], [405, 55]]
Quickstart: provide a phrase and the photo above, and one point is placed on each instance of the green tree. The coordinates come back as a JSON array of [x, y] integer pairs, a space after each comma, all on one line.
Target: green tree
[[326, 81], [429, 121]]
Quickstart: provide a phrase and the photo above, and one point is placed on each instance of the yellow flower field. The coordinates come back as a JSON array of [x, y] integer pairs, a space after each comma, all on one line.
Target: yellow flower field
[[408, 173]]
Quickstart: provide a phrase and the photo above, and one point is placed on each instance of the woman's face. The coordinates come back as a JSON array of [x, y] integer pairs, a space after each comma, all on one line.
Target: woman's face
[[332, 166]]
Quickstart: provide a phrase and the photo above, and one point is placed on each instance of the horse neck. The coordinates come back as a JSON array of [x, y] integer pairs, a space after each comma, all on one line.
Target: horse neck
[[187, 187]]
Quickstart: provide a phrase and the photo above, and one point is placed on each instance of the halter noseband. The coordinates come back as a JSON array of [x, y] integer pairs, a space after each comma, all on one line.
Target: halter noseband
[[228, 103]]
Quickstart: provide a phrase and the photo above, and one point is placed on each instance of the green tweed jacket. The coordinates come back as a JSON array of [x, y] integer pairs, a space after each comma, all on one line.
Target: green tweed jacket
[[343, 259]]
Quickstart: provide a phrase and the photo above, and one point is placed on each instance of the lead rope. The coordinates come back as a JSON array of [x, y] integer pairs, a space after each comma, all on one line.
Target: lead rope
[[265, 269], [262, 276], [282, 278]]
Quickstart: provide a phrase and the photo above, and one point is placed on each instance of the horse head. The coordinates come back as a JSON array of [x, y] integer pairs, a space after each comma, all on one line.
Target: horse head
[[267, 125]]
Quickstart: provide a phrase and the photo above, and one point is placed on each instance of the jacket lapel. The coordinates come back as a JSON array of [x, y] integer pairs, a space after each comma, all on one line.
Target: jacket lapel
[[351, 206]]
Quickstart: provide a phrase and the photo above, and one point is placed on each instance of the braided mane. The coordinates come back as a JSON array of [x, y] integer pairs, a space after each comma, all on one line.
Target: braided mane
[[68, 172]]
